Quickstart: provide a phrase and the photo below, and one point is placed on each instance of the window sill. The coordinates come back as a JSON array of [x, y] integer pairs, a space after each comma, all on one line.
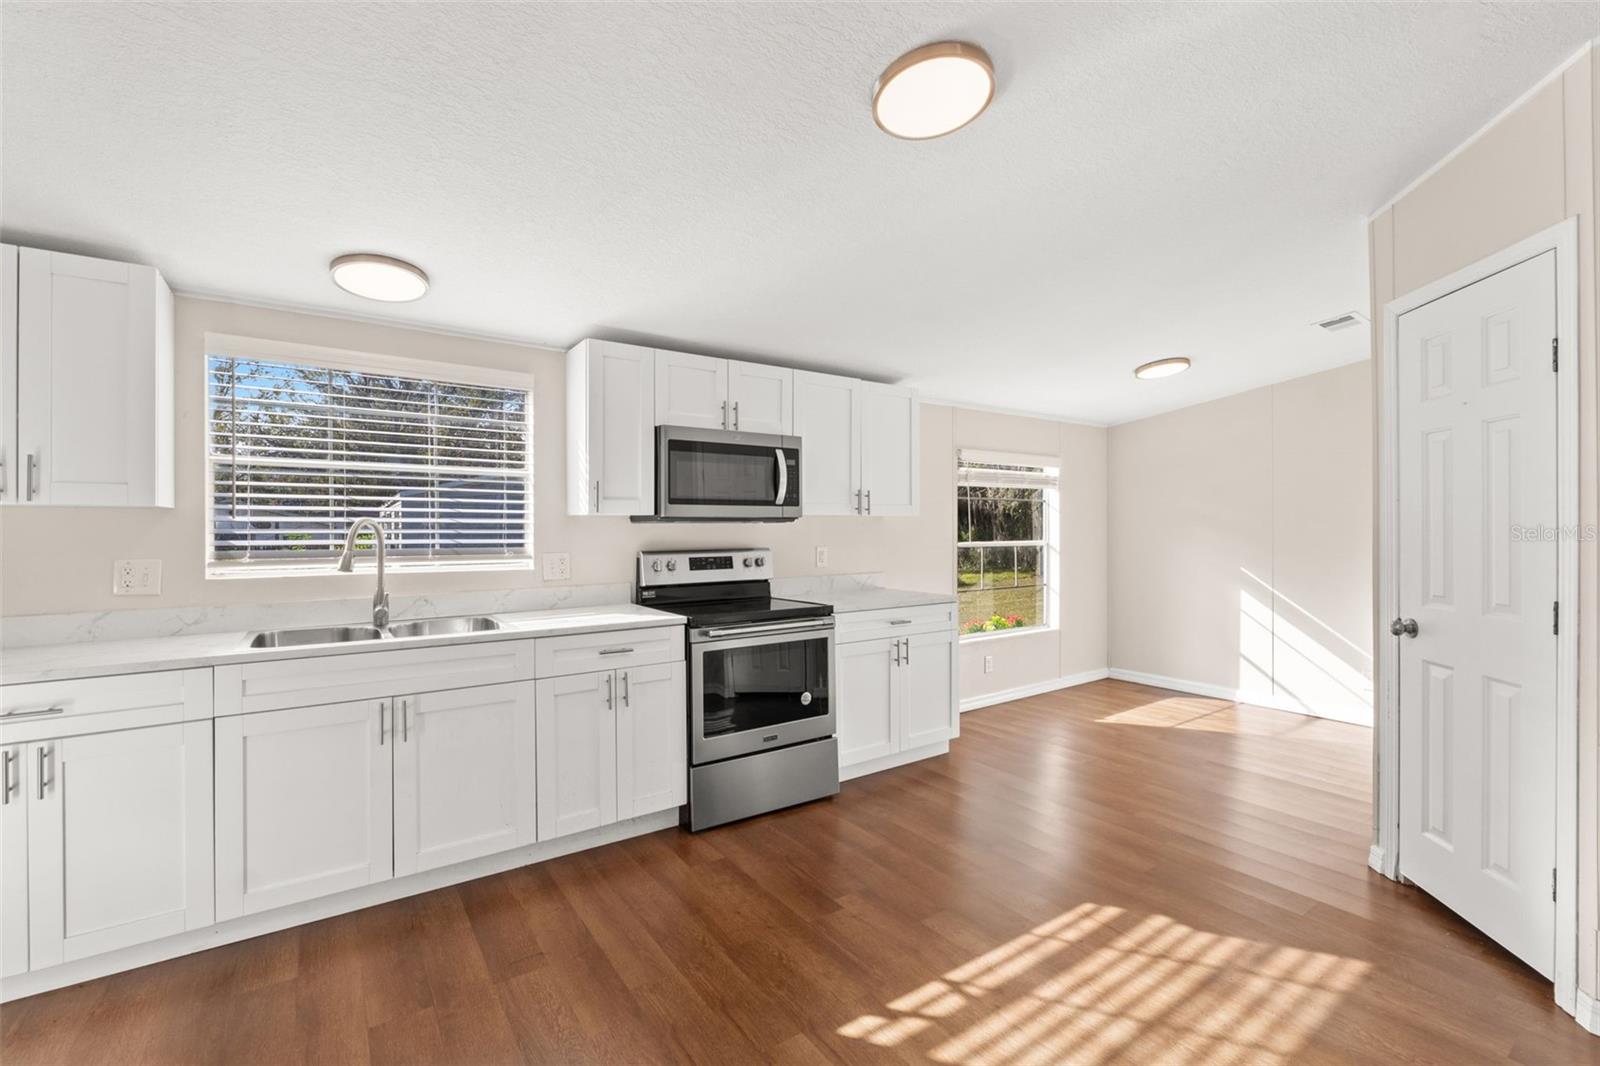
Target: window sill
[[325, 568], [1005, 634]]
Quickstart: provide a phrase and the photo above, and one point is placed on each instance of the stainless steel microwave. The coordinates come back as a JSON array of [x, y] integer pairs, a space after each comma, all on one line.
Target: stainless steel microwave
[[711, 474]]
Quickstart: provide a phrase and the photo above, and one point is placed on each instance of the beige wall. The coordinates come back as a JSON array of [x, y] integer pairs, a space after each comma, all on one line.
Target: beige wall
[[55, 560], [1240, 541], [1530, 170], [1079, 644]]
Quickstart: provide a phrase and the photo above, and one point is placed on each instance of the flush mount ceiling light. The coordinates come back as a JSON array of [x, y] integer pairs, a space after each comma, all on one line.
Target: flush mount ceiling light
[[933, 90], [379, 277], [1162, 368]]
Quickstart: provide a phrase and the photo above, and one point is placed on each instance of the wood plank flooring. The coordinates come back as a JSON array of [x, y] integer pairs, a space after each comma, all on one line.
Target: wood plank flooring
[[1111, 873]]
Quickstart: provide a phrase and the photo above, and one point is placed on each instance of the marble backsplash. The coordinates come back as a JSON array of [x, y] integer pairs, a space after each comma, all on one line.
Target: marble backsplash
[[19, 631]]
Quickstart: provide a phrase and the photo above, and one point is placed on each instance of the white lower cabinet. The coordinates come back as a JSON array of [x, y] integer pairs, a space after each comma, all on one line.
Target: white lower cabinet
[[303, 804], [119, 840], [895, 695], [13, 861], [577, 751], [869, 700], [463, 775], [652, 740]]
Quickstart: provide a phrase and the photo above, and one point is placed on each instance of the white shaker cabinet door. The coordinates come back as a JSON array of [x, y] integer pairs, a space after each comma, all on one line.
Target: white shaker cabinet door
[[760, 398], [890, 435], [869, 700], [652, 739], [610, 429], [9, 481], [827, 421], [119, 839], [577, 753], [692, 390], [463, 775], [928, 704], [304, 804], [13, 860], [94, 382]]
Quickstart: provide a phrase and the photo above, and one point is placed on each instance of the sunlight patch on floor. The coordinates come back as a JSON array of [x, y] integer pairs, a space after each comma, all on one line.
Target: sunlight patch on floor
[[1208, 716], [1094, 983]]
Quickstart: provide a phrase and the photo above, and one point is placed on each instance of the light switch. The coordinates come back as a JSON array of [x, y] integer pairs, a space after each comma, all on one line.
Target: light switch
[[822, 558]]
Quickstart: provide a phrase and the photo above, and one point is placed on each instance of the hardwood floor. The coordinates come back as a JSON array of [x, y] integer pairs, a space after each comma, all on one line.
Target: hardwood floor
[[1109, 873]]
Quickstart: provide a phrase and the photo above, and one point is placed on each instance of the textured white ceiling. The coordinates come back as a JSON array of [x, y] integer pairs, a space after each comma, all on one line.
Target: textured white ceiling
[[1151, 180]]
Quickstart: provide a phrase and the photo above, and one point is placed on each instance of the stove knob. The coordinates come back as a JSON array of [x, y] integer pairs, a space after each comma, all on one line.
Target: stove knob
[[672, 564], [656, 566], [761, 561], [749, 561]]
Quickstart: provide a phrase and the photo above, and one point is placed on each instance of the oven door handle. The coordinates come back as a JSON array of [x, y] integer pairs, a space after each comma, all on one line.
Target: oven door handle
[[808, 626], [783, 478]]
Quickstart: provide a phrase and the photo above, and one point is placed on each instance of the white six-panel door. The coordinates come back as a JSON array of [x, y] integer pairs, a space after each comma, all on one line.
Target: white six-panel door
[[304, 801], [463, 775], [652, 741], [692, 390], [1477, 572], [760, 398], [827, 419], [14, 861], [576, 753], [119, 839]]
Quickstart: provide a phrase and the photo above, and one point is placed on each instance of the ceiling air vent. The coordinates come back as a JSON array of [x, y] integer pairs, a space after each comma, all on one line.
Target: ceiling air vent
[[1344, 321]]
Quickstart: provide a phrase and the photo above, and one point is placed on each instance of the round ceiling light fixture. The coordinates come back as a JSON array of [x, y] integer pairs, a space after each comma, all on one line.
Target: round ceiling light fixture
[[379, 277], [1162, 368], [933, 90]]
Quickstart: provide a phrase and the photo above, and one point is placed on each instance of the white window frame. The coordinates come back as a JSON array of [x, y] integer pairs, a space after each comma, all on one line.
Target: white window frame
[[1050, 546], [227, 345]]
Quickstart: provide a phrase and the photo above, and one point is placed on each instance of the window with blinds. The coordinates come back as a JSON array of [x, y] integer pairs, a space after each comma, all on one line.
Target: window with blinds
[[296, 452], [1006, 525]]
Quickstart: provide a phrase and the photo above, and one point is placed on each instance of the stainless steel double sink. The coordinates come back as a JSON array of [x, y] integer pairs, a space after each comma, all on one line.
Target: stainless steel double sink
[[421, 627]]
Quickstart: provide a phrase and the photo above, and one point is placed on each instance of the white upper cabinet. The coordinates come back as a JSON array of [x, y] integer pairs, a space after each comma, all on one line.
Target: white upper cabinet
[[890, 439], [760, 398], [691, 390], [611, 395], [90, 422], [827, 419], [9, 482]]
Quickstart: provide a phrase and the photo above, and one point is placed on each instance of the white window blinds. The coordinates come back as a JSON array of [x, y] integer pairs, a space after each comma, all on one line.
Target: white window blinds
[[296, 452]]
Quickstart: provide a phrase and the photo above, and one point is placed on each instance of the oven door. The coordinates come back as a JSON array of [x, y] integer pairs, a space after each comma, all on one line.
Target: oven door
[[711, 473], [759, 688]]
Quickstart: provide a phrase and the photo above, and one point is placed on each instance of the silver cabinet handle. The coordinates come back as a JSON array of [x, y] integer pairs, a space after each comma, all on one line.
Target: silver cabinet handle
[[908, 651], [897, 653], [858, 501], [899, 621], [725, 422], [405, 721], [626, 688], [783, 478], [6, 786], [609, 680], [597, 497], [869, 501], [32, 482], [736, 414], [42, 749], [616, 651], [34, 714], [383, 711]]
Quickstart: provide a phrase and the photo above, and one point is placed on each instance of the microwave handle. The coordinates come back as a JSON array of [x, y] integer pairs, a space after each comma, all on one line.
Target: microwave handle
[[783, 478]]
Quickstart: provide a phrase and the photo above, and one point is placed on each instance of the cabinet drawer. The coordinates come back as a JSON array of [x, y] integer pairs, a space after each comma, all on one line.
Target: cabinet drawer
[[893, 622], [249, 687], [47, 709], [586, 652]]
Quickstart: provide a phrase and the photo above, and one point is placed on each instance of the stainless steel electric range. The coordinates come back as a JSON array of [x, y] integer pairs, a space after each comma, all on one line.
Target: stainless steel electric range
[[761, 714]]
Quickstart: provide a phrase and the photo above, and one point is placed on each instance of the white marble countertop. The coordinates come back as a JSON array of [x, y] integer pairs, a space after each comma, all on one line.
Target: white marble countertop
[[100, 658], [874, 599]]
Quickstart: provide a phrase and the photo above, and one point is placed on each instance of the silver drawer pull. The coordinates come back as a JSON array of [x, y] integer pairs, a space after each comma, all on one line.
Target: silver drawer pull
[[46, 712], [899, 621], [616, 651]]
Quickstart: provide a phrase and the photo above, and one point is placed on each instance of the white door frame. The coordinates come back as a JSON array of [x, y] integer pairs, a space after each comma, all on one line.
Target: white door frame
[[1562, 238]]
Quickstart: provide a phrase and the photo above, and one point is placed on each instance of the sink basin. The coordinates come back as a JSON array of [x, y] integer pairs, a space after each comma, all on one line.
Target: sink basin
[[290, 638], [444, 627]]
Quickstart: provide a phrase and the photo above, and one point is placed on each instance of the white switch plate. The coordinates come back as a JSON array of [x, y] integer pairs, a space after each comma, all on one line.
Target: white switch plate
[[822, 557], [136, 577], [557, 566], [988, 664]]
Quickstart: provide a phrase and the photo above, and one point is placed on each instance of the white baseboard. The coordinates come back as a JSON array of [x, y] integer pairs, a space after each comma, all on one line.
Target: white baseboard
[[1254, 698], [989, 699], [1588, 1012], [253, 925], [1378, 859]]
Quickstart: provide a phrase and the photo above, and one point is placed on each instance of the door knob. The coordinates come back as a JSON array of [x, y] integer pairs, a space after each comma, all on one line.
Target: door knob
[[1403, 626]]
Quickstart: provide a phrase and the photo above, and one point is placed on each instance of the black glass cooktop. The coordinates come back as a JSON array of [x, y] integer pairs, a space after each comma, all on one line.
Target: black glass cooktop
[[745, 611]]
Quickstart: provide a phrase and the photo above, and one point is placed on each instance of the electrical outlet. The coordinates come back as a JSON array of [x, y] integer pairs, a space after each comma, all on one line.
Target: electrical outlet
[[136, 577], [822, 557], [988, 664], [557, 566]]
